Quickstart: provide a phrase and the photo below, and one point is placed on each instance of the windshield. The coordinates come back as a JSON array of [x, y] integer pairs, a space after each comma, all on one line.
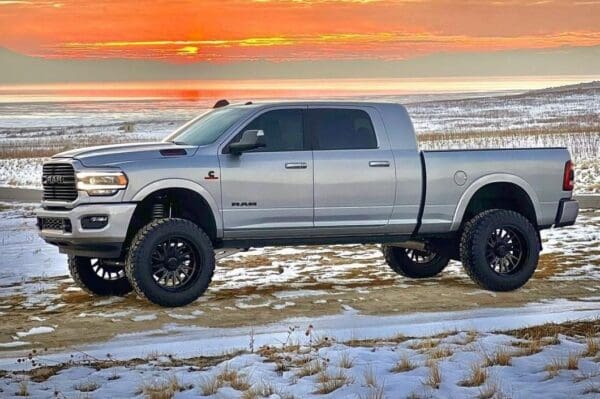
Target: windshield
[[208, 128]]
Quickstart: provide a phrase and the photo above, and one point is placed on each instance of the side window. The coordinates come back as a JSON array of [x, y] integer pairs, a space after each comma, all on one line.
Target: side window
[[342, 129], [283, 128]]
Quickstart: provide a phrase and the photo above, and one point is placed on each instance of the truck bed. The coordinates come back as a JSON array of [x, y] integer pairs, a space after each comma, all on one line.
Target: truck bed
[[451, 176]]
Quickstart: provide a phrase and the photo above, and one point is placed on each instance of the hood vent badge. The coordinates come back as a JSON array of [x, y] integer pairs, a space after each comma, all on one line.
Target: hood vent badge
[[173, 152]]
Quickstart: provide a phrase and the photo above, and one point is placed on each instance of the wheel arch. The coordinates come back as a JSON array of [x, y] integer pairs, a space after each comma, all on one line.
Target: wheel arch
[[196, 196], [503, 191]]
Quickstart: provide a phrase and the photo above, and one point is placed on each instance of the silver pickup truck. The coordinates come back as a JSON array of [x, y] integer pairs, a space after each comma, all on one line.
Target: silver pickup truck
[[150, 217]]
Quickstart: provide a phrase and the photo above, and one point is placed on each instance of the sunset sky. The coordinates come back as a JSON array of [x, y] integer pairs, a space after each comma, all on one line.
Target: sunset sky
[[234, 32]]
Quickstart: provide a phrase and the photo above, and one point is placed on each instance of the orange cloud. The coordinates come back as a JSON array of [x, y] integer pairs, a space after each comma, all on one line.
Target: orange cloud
[[231, 30]]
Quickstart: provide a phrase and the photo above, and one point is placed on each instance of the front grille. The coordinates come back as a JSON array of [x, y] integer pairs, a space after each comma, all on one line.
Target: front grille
[[58, 180], [49, 223]]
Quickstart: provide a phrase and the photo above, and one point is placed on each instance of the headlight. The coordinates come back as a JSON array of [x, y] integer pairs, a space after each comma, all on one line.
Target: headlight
[[101, 183]]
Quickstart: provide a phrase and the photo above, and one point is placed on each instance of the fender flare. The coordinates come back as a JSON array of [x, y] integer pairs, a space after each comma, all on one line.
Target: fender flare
[[468, 194], [163, 184]]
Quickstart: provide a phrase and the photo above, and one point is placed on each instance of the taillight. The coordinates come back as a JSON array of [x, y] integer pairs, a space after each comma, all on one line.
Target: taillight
[[569, 177]]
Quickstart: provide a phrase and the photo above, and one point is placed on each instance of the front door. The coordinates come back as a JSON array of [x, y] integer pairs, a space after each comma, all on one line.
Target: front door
[[355, 180], [271, 187]]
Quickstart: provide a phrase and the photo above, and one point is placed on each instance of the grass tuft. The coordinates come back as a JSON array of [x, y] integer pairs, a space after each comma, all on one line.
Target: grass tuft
[[311, 368], [501, 357], [435, 376], [23, 389], [331, 382], [403, 365], [477, 376], [162, 388], [345, 361]]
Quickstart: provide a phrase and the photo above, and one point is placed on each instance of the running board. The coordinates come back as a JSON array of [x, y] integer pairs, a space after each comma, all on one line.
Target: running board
[[417, 245]]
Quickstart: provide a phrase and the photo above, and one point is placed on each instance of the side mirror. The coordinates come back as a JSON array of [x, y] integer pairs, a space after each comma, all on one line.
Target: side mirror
[[250, 140]]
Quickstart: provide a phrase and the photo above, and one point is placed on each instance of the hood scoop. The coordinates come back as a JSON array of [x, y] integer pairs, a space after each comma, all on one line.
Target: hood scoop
[[173, 152]]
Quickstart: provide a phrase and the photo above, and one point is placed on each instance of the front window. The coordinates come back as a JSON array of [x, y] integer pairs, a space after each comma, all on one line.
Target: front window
[[283, 130], [208, 128]]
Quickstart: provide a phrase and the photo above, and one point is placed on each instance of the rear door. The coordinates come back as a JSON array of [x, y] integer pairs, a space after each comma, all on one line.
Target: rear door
[[272, 187], [354, 171]]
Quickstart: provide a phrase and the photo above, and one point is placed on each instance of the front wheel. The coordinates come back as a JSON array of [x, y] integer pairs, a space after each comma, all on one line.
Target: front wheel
[[499, 249], [171, 262], [414, 263], [99, 276]]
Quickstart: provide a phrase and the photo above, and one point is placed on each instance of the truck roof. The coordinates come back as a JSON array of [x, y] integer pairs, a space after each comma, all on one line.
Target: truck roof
[[260, 104]]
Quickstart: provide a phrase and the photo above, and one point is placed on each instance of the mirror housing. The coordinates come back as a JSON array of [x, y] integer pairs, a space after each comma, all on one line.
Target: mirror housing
[[250, 140]]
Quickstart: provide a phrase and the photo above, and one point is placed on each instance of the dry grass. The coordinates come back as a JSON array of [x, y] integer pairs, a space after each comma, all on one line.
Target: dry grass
[[41, 374], [424, 344], [592, 347], [261, 390], [434, 379], [572, 329], [23, 389], [328, 383], [370, 377], [439, 353], [311, 368], [570, 363], [477, 376], [163, 388], [527, 348], [345, 361], [403, 365], [210, 385], [233, 378], [501, 357], [489, 391], [375, 393]]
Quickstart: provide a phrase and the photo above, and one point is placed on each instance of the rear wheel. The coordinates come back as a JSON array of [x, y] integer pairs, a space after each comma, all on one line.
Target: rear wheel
[[99, 276], [499, 249], [170, 262], [414, 263]]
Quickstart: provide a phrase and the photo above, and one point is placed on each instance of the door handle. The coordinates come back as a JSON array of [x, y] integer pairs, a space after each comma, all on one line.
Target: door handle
[[379, 164], [295, 165]]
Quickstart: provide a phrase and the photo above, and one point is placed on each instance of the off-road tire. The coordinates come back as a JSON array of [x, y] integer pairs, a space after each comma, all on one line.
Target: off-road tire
[[399, 261], [85, 277], [138, 265], [474, 240]]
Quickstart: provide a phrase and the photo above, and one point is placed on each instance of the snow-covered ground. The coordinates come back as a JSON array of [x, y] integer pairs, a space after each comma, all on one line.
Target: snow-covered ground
[[28, 132], [270, 312], [439, 355]]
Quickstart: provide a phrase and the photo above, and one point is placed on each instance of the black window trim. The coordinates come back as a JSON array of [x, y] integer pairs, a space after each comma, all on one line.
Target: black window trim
[[307, 140], [313, 137]]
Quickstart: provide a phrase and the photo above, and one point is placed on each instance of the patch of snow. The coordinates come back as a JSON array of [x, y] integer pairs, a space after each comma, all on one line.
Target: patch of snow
[[35, 331]]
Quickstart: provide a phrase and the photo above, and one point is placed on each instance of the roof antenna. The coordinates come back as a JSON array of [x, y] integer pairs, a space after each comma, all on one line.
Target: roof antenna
[[221, 103], [248, 103]]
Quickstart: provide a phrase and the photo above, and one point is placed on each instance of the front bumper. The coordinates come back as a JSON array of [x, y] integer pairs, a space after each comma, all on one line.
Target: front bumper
[[64, 229], [567, 212]]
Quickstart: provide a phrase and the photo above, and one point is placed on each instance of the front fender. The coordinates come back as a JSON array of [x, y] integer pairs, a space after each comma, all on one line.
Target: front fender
[[489, 179], [186, 184]]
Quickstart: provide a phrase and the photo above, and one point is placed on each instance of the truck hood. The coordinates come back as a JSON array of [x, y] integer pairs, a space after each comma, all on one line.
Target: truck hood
[[118, 153]]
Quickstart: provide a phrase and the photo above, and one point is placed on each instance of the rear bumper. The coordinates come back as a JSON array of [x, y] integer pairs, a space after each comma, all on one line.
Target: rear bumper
[[567, 212], [64, 229]]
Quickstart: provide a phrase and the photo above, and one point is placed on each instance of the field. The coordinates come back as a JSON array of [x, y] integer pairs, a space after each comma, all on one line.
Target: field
[[283, 320], [308, 321], [30, 132]]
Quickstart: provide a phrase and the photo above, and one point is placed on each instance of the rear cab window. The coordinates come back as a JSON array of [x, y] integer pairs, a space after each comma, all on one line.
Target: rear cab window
[[341, 129]]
